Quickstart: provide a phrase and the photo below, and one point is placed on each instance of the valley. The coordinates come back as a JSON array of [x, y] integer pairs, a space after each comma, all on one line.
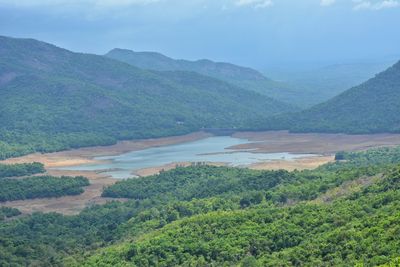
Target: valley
[[134, 158], [314, 149]]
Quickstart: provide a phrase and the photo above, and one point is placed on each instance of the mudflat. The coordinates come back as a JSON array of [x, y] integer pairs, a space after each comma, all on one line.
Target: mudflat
[[283, 141], [70, 205], [81, 156]]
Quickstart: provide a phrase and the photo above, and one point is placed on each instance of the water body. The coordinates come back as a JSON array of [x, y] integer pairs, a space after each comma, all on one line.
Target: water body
[[212, 149]]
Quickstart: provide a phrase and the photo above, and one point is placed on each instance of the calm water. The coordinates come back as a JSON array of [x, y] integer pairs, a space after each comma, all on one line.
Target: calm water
[[212, 149]]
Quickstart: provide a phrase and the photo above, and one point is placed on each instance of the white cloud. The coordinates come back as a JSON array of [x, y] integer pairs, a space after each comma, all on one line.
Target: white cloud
[[327, 2], [388, 4], [377, 5], [255, 3]]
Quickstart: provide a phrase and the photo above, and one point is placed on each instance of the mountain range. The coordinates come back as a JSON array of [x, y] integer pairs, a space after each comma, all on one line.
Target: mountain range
[[320, 83], [53, 99], [246, 78]]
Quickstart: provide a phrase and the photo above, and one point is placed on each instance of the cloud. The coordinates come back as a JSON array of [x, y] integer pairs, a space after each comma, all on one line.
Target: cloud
[[369, 5], [255, 3], [327, 2], [94, 3]]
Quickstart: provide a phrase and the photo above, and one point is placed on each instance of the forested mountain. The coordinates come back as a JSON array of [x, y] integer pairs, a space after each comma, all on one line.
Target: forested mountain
[[157, 61], [53, 99], [371, 107], [319, 84], [246, 78]]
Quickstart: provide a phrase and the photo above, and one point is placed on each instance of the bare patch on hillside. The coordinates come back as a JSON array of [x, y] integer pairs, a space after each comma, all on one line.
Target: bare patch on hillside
[[346, 189]]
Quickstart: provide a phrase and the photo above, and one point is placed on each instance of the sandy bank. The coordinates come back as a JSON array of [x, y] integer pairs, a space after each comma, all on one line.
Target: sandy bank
[[74, 204], [308, 163], [81, 156], [268, 142], [282, 141]]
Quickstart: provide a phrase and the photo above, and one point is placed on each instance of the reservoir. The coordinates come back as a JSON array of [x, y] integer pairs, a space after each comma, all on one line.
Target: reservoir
[[212, 149]]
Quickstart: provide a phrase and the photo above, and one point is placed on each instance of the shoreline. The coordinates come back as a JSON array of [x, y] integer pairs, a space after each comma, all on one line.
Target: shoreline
[[72, 205], [313, 143], [80, 156], [322, 145]]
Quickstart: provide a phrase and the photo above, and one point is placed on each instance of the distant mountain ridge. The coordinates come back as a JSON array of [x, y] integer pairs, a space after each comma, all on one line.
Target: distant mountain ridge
[[323, 83], [160, 62], [246, 78], [53, 99], [372, 107]]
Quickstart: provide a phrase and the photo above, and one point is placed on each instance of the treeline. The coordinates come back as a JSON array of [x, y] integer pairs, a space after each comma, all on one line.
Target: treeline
[[207, 181], [186, 183], [40, 187], [385, 155], [23, 169]]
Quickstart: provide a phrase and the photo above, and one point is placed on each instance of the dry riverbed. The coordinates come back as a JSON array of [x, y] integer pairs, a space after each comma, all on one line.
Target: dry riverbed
[[324, 145]]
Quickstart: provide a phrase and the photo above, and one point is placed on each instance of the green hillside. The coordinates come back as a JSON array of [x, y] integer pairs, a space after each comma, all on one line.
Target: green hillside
[[243, 77], [371, 107], [350, 221], [344, 213], [53, 99], [319, 84]]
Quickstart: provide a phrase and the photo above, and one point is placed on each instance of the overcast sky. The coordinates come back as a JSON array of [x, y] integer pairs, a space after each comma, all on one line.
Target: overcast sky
[[257, 33]]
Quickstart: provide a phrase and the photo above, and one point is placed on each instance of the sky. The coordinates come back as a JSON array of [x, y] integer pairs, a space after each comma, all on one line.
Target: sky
[[255, 33]]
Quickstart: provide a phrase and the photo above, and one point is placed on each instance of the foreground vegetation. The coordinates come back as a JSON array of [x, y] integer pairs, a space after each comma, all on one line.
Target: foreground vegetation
[[40, 187], [341, 214], [362, 228]]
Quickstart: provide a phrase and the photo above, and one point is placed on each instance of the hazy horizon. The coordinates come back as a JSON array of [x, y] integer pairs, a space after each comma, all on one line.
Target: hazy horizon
[[255, 33]]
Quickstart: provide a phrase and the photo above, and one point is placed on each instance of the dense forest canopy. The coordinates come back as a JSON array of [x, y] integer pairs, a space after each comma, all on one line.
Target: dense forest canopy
[[7, 212], [41, 187], [18, 170]]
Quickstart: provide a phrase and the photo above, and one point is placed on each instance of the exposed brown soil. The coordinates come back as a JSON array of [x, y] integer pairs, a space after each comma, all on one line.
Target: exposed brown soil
[[282, 141], [85, 155], [92, 195], [307, 163], [346, 189], [68, 205]]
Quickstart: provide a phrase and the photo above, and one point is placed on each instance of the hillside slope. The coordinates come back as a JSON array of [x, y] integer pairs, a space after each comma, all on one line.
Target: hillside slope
[[244, 77], [350, 220], [53, 99], [321, 84], [371, 107], [344, 213]]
